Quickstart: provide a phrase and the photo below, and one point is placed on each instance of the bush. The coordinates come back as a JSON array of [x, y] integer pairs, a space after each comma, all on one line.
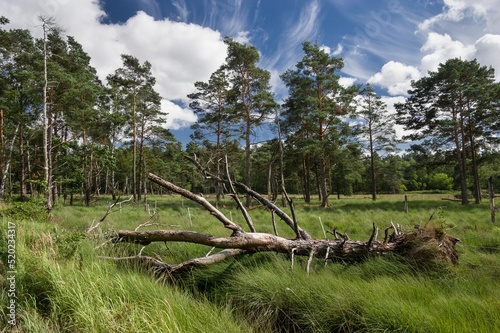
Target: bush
[[440, 181]]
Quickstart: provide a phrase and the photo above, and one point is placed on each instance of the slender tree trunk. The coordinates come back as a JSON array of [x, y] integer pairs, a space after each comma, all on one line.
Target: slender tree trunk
[[2, 139], [492, 199], [28, 164], [461, 163], [88, 182], [113, 188], [46, 129], [269, 180], [322, 182], [22, 165], [6, 165], [463, 156], [141, 163], [218, 157], [282, 173], [372, 167], [247, 159], [134, 152], [475, 172], [307, 179]]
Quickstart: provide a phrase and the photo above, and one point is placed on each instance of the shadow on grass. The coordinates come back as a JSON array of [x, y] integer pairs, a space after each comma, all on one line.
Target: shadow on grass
[[353, 205]]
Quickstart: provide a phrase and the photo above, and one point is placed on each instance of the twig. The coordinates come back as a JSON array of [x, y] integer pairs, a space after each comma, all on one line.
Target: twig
[[373, 236], [292, 210], [327, 253], [198, 199], [240, 205], [311, 255], [108, 211], [293, 257], [273, 218], [322, 226], [396, 232], [267, 203]]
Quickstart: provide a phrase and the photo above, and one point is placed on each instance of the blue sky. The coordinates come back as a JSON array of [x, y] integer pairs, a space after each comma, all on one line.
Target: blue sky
[[385, 42]]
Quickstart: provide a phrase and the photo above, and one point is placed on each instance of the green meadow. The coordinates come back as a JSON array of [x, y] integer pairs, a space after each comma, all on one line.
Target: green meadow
[[63, 283]]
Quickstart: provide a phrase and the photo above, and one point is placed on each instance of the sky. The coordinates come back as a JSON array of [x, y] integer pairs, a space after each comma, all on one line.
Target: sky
[[386, 43]]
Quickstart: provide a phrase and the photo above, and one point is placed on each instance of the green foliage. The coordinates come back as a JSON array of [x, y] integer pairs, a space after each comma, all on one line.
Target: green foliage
[[33, 210], [61, 293], [440, 181]]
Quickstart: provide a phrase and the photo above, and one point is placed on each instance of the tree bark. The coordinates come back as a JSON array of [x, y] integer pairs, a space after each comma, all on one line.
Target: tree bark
[[6, 166], [341, 249]]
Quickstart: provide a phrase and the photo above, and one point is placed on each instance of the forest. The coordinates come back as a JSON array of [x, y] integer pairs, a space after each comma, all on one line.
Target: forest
[[109, 219], [64, 132]]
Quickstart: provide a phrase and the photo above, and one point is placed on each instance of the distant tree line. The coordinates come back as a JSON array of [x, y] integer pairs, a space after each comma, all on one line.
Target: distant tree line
[[64, 133]]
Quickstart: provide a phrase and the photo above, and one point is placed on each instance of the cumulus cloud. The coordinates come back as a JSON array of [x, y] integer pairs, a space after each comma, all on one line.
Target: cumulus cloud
[[395, 77], [177, 116], [180, 53], [347, 81], [487, 51], [390, 101], [457, 10], [326, 49], [441, 48]]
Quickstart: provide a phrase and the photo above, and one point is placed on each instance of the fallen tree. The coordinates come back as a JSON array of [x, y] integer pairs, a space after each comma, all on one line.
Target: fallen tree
[[422, 245]]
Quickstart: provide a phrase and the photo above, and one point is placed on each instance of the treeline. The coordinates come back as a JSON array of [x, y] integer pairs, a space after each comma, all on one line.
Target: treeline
[[64, 132]]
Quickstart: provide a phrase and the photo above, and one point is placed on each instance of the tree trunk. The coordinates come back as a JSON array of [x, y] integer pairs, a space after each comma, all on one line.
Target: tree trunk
[[461, 163], [282, 165], [322, 182], [422, 246], [22, 166], [372, 166], [46, 132], [6, 165], [247, 160], [475, 172], [307, 179], [134, 151], [492, 200]]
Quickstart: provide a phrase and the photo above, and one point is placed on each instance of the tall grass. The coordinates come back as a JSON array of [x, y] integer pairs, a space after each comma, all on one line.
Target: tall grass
[[65, 287], [62, 286]]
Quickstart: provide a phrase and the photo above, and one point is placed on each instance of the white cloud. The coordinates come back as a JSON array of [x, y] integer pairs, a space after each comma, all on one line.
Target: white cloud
[[347, 81], [390, 101], [302, 29], [177, 116], [338, 50], [396, 77], [180, 53], [242, 37], [441, 48], [487, 51], [458, 10], [181, 7], [325, 49]]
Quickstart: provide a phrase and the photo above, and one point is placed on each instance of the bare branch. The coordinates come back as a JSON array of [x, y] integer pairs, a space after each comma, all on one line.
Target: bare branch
[[108, 211], [267, 203], [198, 199], [238, 201], [292, 209]]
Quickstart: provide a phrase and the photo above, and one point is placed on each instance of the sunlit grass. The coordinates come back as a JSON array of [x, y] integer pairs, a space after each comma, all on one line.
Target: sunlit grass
[[76, 291], [64, 286]]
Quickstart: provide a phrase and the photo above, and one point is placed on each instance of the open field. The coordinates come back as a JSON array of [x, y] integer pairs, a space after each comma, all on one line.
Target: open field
[[62, 285]]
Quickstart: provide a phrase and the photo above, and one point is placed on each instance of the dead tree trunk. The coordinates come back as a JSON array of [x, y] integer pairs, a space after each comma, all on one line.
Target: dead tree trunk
[[240, 242]]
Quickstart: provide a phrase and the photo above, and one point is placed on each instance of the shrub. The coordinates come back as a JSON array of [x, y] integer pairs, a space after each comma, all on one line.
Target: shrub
[[440, 181]]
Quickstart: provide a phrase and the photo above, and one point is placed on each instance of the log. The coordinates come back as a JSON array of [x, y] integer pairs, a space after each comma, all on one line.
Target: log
[[423, 245]]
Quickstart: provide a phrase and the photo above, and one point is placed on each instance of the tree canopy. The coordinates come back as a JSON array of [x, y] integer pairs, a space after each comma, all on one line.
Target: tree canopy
[[63, 132]]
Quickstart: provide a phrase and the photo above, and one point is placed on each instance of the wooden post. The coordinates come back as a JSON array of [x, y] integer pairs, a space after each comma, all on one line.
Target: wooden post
[[406, 204], [492, 199]]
